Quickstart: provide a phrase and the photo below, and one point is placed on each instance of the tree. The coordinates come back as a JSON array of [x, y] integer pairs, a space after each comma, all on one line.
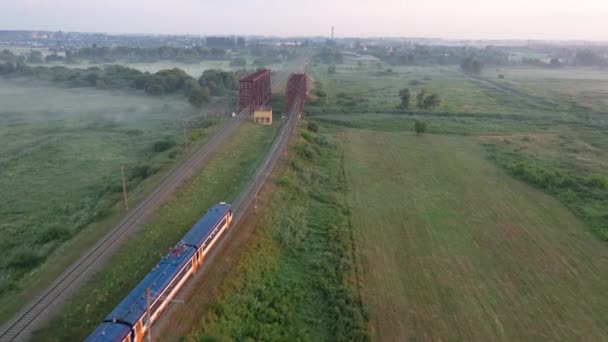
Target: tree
[[331, 69], [420, 99], [405, 96], [219, 82], [198, 95], [472, 65], [432, 101], [427, 100], [419, 127], [35, 56]]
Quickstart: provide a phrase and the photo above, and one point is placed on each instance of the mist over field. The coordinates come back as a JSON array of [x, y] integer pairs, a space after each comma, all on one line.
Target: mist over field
[[29, 100], [60, 154]]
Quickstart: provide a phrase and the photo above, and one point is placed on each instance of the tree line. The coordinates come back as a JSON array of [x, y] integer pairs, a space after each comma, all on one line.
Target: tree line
[[173, 81], [102, 55]]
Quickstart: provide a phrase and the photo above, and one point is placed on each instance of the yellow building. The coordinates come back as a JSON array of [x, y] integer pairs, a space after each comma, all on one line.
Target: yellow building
[[262, 115]]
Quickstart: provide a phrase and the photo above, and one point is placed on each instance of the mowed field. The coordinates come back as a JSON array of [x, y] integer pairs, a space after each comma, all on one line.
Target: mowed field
[[452, 248]]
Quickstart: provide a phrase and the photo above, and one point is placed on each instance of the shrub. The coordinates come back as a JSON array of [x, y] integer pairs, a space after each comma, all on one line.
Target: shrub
[[313, 126], [140, 171], [597, 181], [163, 145], [419, 127]]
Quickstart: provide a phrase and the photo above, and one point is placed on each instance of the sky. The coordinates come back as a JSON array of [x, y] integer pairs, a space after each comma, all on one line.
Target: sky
[[448, 19]]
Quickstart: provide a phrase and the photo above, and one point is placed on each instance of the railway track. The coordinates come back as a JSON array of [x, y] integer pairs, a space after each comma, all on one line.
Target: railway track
[[240, 206], [33, 314]]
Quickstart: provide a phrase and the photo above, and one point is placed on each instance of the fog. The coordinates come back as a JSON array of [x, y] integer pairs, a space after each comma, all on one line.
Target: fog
[[36, 101]]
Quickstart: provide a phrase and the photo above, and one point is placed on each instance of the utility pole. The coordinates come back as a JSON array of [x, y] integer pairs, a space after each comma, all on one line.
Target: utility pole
[[148, 314], [255, 193], [124, 186], [185, 140]]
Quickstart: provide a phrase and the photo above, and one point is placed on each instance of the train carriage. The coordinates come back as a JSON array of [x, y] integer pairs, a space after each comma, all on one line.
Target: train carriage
[[128, 321]]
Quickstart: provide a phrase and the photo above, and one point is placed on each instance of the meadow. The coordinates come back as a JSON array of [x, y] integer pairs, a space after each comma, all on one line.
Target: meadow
[[60, 155], [453, 248]]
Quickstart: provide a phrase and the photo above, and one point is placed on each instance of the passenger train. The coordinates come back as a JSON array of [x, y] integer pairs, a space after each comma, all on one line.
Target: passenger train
[[128, 322]]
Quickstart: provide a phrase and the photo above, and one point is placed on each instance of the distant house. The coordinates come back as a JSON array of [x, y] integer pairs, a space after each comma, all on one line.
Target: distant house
[[262, 115]]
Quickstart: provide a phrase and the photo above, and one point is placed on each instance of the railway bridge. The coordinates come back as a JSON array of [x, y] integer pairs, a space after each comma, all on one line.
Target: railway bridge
[[255, 90]]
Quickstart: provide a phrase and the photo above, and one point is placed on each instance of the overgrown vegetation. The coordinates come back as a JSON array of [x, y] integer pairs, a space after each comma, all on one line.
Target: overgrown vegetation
[[586, 194], [295, 284]]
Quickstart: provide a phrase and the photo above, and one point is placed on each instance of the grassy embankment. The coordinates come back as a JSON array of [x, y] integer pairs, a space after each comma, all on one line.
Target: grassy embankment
[[294, 279], [220, 180], [60, 158]]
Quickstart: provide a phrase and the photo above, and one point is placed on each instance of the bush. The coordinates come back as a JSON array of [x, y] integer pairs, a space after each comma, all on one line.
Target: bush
[[199, 95], [163, 145], [140, 171], [313, 126], [597, 181], [419, 127]]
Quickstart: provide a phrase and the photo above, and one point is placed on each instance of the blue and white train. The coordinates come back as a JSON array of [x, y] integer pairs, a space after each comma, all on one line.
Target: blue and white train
[[128, 322]]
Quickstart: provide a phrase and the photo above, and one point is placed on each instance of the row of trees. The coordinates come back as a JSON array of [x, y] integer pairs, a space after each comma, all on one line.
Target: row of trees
[[148, 55], [424, 99], [127, 54], [173, 81]]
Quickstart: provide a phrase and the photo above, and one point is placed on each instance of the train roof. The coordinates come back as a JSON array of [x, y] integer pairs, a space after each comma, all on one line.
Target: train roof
[[134, 304], [109, 332], [133, 307], [201, 229]]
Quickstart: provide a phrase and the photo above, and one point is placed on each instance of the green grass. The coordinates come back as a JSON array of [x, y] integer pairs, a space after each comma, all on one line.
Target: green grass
[[374, 93], [569, 166], [453, 249], [586, 88], [293, 281], [60, 158], [220, 180]]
